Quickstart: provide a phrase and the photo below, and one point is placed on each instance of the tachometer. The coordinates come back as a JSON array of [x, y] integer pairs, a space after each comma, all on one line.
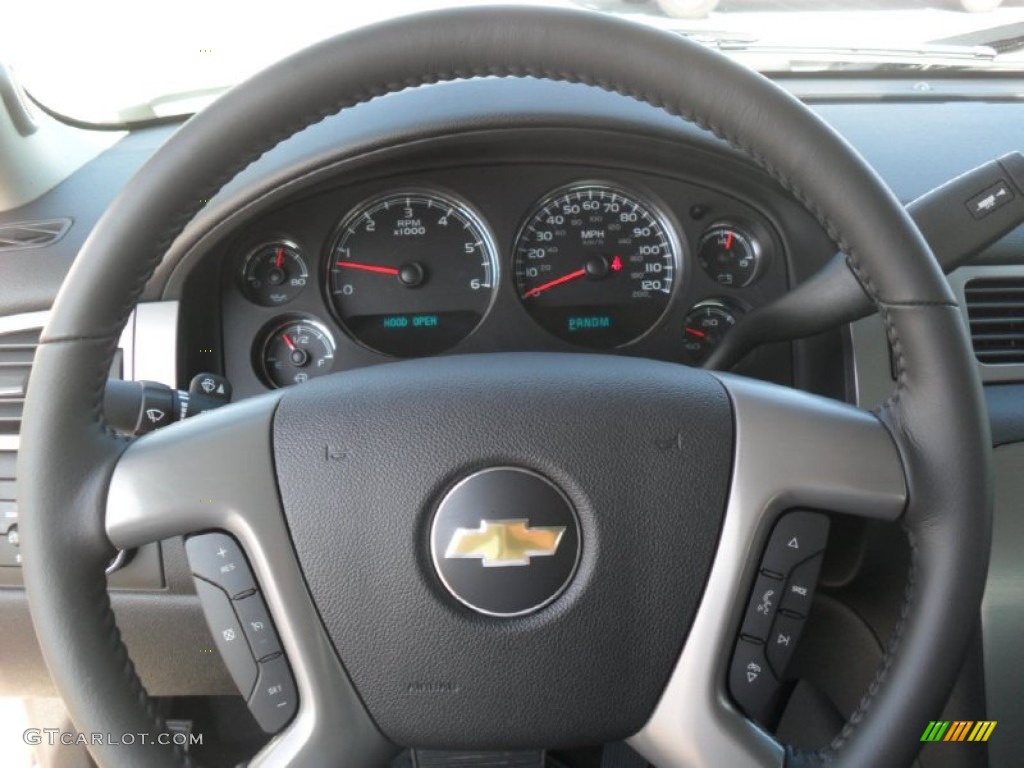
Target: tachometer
[[411, 273], [595, 265]]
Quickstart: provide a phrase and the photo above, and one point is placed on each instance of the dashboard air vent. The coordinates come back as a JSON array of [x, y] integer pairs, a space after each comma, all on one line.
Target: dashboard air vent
[[32, 234], [16, 352], [995, 308]]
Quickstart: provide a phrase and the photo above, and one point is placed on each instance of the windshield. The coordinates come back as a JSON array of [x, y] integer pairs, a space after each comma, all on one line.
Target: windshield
[[113, 61]]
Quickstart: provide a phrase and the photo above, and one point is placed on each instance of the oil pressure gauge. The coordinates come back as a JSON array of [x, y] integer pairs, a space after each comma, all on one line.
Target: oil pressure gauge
[[274, 273]]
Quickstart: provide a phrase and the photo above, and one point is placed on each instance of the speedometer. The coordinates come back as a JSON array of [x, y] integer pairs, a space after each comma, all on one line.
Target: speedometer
[[595, 265]]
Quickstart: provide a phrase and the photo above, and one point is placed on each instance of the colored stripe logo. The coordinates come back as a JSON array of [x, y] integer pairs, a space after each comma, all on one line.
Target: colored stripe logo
[[959, 730]]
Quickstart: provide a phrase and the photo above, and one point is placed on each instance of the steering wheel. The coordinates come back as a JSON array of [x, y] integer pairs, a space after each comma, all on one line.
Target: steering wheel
[[674, 476]]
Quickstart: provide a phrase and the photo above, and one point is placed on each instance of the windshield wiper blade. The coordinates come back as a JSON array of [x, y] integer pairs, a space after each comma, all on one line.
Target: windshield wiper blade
[[1006, 38]]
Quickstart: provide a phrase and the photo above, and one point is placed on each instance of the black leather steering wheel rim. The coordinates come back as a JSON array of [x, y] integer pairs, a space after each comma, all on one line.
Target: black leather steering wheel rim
[[935, 415]]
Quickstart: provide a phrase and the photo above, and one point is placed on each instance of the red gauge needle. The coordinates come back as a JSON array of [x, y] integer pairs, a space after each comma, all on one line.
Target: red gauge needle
[[288, 341], [728, 242], [557, 281], [280, 258], [368, 268], [695, 332]]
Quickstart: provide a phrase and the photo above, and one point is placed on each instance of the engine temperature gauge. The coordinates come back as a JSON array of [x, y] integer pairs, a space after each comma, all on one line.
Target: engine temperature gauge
[[293, 351], [274, 273], [705, 326]]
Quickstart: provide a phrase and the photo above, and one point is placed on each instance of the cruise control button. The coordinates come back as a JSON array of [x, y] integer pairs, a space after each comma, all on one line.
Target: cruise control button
[[797, 537], [228, 635], [274, 700], [751, 681], [764, 602], [799, 590], [258, 628], [782, 641], [217, 558]]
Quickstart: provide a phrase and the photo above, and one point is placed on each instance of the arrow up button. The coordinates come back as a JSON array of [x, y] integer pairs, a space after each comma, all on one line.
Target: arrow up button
[[798, 536]]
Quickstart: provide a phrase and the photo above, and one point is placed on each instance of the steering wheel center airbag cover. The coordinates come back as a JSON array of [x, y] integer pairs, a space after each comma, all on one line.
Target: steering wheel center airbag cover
[[505, 541], [641, 451]]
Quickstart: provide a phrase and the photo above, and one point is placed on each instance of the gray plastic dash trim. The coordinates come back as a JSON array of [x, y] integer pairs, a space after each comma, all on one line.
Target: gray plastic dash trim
[[792, 449], [215, 471], [155, 343]]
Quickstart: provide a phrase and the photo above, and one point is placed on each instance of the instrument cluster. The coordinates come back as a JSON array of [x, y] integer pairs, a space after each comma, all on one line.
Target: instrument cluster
[[415, 269]]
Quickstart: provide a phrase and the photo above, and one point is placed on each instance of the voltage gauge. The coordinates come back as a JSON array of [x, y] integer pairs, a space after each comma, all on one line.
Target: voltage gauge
[[730, 256]]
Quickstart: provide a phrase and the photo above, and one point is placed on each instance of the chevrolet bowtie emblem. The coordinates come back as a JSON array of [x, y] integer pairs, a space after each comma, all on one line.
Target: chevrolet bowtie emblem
[[504, 542]]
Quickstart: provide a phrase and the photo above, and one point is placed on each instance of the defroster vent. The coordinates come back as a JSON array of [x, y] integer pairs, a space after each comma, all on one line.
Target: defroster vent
[[32, 234]]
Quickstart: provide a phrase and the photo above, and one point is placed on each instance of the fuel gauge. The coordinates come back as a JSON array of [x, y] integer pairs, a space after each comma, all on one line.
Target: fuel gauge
[[274, 273], [293, 350]]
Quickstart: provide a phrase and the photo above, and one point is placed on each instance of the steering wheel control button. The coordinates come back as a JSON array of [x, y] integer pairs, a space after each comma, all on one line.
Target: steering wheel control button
[[274, 699], [259, 629], [782, 641], [797, 537], [217, 558], [764, 604], [228, 636], [752, 683], [505, 541], [799, 590]]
